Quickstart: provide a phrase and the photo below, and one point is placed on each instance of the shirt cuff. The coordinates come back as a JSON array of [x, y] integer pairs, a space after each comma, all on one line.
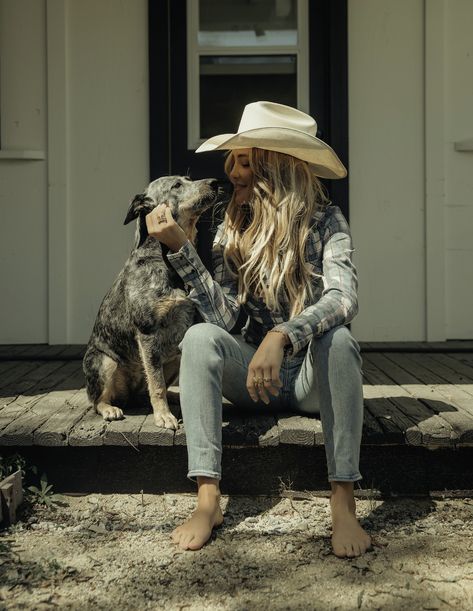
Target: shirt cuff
[[297, 342], [187, 263]]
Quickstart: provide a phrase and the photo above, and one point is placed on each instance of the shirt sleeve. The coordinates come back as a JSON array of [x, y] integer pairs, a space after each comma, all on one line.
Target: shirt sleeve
[[338, 304], [215, 298]]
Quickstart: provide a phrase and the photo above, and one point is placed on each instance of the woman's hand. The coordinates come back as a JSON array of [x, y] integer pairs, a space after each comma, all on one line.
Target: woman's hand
[[265, 365], [167, 231]]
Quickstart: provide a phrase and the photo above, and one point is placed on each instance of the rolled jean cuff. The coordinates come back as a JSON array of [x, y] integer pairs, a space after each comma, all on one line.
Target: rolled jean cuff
[[192, 475], [345, 478]]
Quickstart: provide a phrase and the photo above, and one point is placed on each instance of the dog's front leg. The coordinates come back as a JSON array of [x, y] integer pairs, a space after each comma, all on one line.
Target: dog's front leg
[[156, 385]]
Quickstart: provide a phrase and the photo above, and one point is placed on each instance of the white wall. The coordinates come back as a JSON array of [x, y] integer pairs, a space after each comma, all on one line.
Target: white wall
[[62, 235], [458, 117], [386, 157], [108, 154], [55, 271], [23, 182]]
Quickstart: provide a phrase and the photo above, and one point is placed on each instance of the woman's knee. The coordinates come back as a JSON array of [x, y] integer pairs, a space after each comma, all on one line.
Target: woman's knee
[[338, 340], [201, 336]]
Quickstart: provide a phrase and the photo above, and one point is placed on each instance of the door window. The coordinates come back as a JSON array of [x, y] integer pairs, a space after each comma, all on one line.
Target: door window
[[241, 51]]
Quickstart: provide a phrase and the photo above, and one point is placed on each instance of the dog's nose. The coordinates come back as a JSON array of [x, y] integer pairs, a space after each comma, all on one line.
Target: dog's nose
[[212, 182]]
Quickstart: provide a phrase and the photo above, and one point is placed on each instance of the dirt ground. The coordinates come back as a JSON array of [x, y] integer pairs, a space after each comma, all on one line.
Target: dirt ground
[[115, 552]]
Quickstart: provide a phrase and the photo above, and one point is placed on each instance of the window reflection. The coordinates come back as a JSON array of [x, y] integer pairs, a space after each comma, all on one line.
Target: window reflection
[[227, 83], [240, 23]]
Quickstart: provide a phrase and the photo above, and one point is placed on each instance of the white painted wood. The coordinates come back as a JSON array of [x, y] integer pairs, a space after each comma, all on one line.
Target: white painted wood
[[435, 170], [108, 146], [22, 75], [464, 145], [458, 123], [58, 191], [23, 183], [386, 166], [21, 154]]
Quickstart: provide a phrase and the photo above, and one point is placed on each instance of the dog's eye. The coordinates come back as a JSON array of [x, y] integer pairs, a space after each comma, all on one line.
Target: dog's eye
[[177, 185]]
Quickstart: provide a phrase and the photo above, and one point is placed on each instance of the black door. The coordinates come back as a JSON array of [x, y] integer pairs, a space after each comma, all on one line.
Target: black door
[[327, 95]]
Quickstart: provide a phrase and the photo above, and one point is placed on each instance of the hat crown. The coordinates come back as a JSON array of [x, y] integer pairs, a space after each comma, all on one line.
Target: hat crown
[[270, 114]]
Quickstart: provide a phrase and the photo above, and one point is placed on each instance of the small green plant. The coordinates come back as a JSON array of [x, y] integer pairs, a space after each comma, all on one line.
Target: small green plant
[[44, 495]]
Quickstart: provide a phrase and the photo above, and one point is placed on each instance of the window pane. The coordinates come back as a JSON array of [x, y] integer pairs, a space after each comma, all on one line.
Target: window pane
[[227, 83], [242, 23]]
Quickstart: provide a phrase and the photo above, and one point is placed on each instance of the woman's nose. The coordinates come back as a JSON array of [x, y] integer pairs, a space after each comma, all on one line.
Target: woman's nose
[[234, 172]]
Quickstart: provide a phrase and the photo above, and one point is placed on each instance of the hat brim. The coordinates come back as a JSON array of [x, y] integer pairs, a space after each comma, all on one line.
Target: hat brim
[[284, 140]]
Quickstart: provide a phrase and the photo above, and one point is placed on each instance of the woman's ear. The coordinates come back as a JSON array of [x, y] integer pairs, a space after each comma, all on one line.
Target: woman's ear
[[140, 203]]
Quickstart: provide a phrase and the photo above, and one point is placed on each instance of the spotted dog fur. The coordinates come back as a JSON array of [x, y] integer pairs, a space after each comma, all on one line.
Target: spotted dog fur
[[143, 317]]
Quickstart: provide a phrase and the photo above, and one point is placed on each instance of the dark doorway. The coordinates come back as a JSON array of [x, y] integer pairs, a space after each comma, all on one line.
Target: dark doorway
[[328, 99]]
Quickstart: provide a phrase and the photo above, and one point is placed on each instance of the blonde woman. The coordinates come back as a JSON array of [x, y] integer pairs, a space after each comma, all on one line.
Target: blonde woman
[[284, 254]]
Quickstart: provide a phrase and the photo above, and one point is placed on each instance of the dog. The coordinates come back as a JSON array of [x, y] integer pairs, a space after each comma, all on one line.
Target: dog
[[133, 347]]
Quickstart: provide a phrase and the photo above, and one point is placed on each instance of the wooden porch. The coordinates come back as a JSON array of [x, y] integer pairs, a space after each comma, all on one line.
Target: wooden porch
[[417, 397]]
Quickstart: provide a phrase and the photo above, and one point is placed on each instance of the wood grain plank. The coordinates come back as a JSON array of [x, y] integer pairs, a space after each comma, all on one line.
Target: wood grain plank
[[20, 431], [13, 377], [12, 350], [298, 430], [124, 432], [431, 429], [457, 362], [34, 385], [445, 400], [55, 431], [7, 366], [152, 435], [451, 370], [32, 377], [88, 431], [409, 412], [180, 435]]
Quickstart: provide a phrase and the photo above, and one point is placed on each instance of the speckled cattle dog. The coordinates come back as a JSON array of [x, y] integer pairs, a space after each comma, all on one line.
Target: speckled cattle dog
[[144, 316]]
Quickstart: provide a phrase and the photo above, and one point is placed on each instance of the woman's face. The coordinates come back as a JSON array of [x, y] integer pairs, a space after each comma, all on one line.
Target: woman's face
[[241, 175]]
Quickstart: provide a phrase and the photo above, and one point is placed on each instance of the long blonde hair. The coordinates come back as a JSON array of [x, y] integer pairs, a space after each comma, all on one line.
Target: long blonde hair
[[269, 233]]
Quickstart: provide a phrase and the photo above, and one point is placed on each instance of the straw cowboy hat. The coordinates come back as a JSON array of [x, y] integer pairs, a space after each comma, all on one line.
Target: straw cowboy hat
[[277, 127]]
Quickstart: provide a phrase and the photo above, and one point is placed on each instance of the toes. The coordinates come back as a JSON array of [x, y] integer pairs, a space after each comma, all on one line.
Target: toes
[[357, 549], [197, 543], [349, 550], [176, 535], [185, 540]]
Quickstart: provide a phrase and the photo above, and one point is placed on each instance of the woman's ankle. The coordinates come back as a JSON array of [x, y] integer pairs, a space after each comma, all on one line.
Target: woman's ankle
[[207, 487]]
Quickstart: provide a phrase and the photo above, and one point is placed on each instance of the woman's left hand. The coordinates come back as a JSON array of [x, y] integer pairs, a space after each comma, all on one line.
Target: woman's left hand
[[265, 365], [167, 231]]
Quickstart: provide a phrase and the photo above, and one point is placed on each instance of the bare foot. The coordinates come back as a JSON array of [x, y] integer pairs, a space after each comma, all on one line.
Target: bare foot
[[194, 533], [348, 536]]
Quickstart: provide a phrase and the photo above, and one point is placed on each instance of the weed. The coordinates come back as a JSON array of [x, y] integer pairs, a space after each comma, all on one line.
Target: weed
[[44, 495]]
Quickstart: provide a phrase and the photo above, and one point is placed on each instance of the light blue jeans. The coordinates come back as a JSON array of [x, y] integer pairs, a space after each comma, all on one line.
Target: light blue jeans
[[326, 382]]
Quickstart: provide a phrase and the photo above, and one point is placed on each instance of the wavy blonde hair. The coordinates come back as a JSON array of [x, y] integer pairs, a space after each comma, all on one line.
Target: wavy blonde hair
[[269, 233]]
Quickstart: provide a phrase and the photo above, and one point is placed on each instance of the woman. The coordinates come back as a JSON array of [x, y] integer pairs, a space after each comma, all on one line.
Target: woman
[[283, 252]]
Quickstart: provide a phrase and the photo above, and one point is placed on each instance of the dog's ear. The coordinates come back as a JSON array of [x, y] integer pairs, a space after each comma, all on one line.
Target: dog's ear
[[140, 203]]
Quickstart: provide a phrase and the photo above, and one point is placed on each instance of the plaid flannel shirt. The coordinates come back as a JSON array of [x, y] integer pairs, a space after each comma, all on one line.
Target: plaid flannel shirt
[[328, 251]]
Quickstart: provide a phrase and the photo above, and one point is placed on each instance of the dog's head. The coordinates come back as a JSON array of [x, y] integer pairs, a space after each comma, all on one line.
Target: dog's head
[[187, 200]]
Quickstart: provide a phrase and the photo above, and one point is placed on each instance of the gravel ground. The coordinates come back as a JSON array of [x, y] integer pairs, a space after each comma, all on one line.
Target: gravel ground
[[115, 552]]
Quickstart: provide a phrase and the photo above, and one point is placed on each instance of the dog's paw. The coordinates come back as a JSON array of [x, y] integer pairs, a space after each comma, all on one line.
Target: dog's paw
[[167, 421], [112, 413]]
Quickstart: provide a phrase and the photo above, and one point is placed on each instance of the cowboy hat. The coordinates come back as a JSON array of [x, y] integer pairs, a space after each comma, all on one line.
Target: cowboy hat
[[277, 127]]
